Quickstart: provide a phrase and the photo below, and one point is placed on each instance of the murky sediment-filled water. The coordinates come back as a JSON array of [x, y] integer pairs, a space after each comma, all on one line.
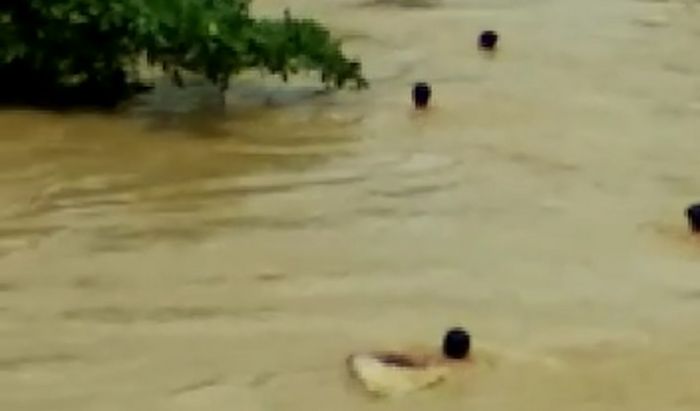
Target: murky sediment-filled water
[[177, 257]]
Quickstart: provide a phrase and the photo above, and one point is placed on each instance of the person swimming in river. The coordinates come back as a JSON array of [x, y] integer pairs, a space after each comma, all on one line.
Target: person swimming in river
[[692, 213], [456, 346], [421, 95], [390, 373]]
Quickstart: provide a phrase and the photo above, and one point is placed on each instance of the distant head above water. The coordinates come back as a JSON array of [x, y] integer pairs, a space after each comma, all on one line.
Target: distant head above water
[[456, 344], [421, 94], [488, 39], [693, 215]]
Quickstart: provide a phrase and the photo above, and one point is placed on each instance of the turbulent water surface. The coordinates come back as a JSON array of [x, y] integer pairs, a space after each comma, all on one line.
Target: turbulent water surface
[[178, 256]]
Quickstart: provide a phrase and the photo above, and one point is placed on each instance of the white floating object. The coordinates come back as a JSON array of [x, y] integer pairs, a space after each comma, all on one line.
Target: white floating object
[[391, 378]]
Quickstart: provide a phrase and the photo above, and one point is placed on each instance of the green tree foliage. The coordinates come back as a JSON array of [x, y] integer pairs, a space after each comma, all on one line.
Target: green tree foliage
[[91, 50]]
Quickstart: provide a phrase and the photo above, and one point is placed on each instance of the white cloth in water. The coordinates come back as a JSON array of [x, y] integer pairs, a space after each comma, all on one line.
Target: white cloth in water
[[386, 379]]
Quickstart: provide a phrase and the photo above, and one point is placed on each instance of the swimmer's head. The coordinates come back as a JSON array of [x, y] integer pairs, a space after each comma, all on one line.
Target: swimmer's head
[[693, 215], [421, 94], [456, 344], [488, 40]]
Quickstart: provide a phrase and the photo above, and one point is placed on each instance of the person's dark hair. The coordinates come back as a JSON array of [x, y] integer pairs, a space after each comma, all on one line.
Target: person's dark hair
[[488, 40], [456, 344], [421, 94], [693, 215]]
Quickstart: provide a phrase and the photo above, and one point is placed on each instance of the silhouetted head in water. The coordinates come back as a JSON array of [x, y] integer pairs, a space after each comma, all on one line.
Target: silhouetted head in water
[[693, 214], [421, 94], [456, 344], [488, 40]]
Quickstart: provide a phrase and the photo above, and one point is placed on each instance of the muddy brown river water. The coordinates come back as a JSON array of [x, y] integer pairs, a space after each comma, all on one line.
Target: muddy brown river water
[[181, 256]]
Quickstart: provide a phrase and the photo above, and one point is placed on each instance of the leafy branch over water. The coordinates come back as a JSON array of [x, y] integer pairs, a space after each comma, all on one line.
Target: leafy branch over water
[[77, 51]]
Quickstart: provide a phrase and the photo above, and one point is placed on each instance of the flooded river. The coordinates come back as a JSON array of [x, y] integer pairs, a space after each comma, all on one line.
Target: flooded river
[[178, 256]]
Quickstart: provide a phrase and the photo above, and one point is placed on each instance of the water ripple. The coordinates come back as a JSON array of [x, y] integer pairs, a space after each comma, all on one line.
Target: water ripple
[[123, 315], [19, 362]]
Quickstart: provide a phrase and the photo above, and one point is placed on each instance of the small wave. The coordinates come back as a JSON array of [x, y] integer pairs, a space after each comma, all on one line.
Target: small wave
[[404, 4], [448, 4], [415, 190], [281, 181], [19, 362], [278, 150], [195, 196], [413, 164], [198, 385], [13, 238], [121, 315]]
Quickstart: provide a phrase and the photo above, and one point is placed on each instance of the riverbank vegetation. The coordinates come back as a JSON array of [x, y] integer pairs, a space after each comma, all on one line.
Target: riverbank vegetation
[[77, 52]]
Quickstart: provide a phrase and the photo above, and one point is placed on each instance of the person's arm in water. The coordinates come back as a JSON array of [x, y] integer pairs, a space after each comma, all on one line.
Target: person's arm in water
[[456, 347]]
